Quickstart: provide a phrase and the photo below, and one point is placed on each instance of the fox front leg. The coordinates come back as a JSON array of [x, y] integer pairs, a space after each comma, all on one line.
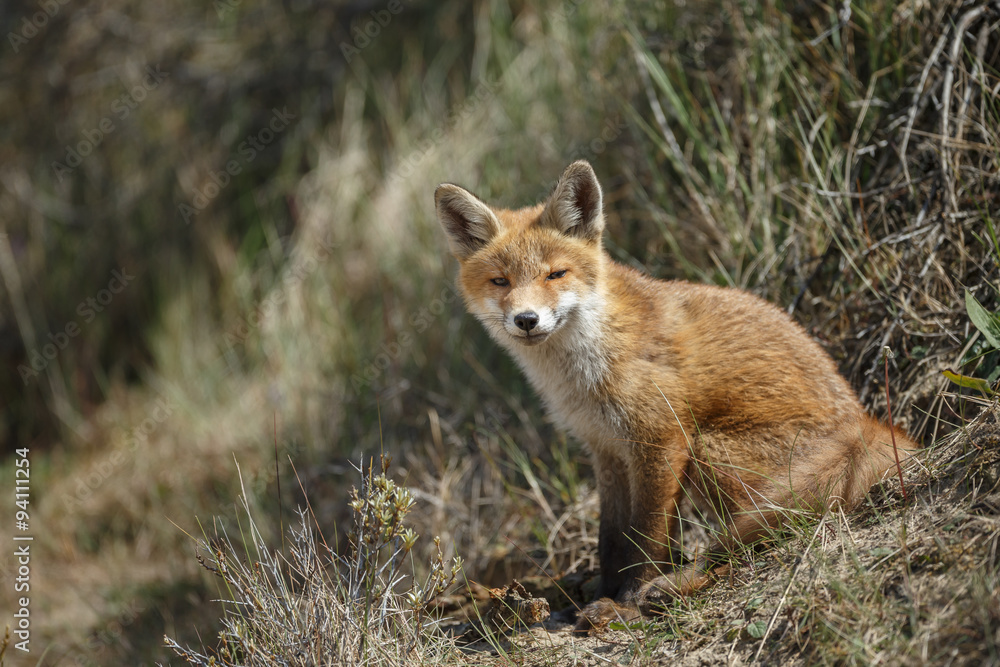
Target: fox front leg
[[613, 548], [631, 548]]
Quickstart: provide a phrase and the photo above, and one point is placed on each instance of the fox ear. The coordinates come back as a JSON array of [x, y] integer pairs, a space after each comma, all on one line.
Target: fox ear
[[468, 222], [576, 207]]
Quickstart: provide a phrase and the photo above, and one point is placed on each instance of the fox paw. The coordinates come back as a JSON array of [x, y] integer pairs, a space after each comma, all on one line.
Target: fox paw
[[595, 617], [663, 590]]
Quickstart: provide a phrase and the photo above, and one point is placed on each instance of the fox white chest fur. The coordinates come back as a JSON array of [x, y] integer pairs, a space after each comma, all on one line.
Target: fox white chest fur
[[570, 372]]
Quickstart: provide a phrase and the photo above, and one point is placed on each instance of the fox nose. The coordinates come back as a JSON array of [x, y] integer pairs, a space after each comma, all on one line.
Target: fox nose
[[526, 321]]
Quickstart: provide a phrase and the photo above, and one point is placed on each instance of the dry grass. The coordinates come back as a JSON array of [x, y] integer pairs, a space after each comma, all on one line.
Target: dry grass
[[846, 170], [314, 606]]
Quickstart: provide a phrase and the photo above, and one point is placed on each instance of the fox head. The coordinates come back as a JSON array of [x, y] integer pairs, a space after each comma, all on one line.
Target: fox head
[[527, 273]]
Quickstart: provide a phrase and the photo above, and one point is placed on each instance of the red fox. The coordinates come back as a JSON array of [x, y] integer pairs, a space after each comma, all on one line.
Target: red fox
[[680, 391]]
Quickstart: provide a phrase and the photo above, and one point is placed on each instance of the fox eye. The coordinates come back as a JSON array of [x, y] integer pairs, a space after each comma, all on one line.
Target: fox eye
[[500, 282], [556, 274]]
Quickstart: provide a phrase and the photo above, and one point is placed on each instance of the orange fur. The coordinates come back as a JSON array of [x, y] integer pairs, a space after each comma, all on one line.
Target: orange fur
[[679, 390]]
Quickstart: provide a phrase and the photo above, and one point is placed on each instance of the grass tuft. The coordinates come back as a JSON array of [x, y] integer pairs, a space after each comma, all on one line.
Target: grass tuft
[[315, 607]]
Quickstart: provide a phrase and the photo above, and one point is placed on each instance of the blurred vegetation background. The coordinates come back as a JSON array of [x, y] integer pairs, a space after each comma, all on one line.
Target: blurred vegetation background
[[218, 251]]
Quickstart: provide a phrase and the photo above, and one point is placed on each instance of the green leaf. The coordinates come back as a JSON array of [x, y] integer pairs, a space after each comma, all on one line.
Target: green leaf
[[969, 382], [635, 626], [757, 629], [987, 323]]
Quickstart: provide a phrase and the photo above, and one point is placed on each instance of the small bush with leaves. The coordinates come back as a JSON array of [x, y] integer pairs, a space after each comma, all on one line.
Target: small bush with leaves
[[317, 607]]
